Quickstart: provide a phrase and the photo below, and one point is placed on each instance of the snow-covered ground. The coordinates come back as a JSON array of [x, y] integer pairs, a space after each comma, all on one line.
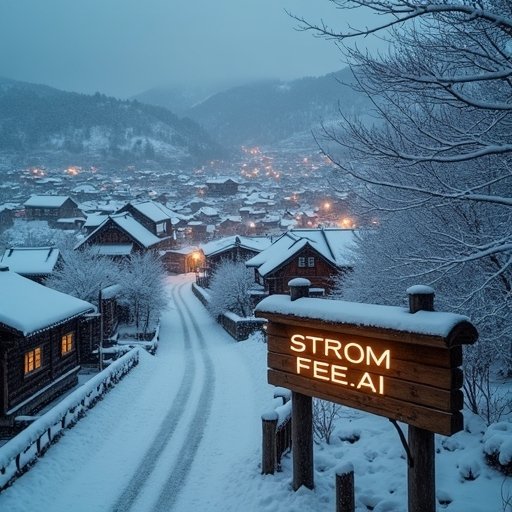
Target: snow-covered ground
[[182, 432]]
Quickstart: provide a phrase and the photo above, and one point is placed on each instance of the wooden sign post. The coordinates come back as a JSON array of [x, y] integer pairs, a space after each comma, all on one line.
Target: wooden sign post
[[400, 363]]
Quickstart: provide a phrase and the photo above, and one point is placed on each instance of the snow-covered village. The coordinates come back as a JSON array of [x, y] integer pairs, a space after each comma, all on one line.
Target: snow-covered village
[[256, 256]]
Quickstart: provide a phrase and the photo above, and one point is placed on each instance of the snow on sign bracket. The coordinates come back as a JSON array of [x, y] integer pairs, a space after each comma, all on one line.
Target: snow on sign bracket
[[380, 359]]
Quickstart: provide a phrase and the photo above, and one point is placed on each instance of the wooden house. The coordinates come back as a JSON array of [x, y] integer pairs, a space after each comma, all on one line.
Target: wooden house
[[39, 345], [36, 263], [232, 248], [222, 187], [316, 254], [121, 235], [53, 208], [183, 260], [155, 217]]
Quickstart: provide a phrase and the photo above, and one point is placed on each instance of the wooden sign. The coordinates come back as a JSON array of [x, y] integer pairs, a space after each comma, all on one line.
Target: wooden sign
[[413, 377]]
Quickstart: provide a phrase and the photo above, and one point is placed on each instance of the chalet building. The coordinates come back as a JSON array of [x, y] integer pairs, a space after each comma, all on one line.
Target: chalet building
[[40, 335], [230, 226], [121, 235], [207, 215], [155, 217], [36, 263], [183, 260], [218, 187], [197, 231], [316, 254], [53, 208], [233, 248]]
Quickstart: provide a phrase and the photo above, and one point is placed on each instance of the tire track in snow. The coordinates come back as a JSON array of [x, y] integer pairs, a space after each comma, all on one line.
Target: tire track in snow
[[167, 428], [188, 451]]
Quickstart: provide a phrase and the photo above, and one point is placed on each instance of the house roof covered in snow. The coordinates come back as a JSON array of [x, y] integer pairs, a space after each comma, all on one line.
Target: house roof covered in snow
[[28, 307], [257, 244], [30, 261], [335, 245], [152, 210], [130, 226], [46, 201], [94, 220]]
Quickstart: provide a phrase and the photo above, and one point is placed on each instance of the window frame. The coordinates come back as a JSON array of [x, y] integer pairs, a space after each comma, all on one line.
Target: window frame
[[311, 261], [302, 262], [67, 344], [32, 361]]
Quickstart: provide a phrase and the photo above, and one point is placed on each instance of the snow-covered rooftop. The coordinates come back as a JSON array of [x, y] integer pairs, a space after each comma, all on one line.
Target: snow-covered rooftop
[[130, 226], [223, 244], [335, 245], [30, 260], [155, 211], [46, 201], [28, 307], [94, 220]]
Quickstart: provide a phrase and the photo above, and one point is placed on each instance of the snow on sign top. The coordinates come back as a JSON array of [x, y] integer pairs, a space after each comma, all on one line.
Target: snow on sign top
[[430, 323], [27, 307]]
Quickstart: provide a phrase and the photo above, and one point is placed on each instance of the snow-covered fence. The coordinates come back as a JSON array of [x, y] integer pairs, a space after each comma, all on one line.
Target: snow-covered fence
[[237, 326], [240, 327], [201, 294], [23, 450], [276, 431]]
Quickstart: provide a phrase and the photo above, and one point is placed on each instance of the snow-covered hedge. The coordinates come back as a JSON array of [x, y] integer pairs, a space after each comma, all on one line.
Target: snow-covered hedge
[[498, 446], [23, 450]]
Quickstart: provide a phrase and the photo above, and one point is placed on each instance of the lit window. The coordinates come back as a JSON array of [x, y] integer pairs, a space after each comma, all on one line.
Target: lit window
[[32, 360], [311, 261], [66, 343], [302, 261]]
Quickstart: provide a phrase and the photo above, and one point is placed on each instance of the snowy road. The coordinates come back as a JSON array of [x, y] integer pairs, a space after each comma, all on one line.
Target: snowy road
[[166, 437]]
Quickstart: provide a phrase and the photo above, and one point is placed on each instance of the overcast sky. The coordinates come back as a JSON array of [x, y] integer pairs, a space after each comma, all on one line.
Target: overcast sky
[[123, 47]]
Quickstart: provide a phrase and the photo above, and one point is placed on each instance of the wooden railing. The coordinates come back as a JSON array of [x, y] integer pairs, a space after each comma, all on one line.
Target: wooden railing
[[276, 431], [23, 450]]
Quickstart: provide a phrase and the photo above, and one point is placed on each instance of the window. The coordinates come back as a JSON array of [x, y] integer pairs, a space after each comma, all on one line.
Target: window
[[32, 360], [160, 228], [302, 261], [66, 343], [311, 261]]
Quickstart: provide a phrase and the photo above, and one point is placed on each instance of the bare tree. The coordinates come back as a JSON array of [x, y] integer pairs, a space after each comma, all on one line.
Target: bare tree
[[436, 165]]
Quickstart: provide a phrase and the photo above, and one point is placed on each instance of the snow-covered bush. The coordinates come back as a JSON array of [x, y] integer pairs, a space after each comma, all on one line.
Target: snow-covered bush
[[36, 233], [143, 291], [83, 274], [229, 289], [498, 446]]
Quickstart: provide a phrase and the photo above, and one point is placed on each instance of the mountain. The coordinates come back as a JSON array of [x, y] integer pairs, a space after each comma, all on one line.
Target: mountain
[[40, 121], [272, 111], [177, 99]]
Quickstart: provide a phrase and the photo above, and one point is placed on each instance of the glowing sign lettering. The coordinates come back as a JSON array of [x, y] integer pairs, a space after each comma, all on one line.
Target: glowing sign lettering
[[353, 353]]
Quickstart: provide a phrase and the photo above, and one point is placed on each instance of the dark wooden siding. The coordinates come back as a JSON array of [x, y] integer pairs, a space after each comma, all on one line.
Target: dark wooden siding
[[53, 363], [320, 274]]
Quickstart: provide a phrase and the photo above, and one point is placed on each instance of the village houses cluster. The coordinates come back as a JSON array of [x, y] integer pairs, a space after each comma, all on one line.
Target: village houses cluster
[[46, 336]]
